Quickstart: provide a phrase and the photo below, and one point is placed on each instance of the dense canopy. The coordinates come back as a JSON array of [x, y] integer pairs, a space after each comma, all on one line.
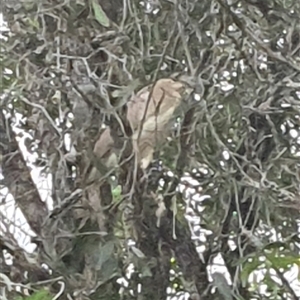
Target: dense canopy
[[221, 186]]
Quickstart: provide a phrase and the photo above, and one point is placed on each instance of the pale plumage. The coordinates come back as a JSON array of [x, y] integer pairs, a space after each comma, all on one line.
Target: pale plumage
[[155, 104], [149, 113], [104, 149]]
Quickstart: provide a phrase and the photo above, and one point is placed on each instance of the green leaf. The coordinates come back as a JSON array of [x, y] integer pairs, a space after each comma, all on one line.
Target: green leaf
[[110, 269], [40, 295], [283, 262], [100, 15], [220, 282], [248, 268], [146, 272], [106, 252], [117, 193]]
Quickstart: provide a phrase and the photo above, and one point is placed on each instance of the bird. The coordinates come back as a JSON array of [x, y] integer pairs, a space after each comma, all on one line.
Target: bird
[[149, 113], [105, 150]]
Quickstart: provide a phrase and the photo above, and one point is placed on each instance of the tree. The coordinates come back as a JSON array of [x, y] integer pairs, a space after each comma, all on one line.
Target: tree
[[226, 182]]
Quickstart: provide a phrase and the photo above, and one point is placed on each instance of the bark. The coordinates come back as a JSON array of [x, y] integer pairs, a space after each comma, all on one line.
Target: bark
[[18, 180]]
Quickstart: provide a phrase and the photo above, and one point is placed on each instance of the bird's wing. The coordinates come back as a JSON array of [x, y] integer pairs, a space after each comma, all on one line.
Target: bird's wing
[[104, 144]]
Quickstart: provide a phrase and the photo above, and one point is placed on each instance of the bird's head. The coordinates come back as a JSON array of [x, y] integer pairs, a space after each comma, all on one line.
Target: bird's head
[[174, 88]]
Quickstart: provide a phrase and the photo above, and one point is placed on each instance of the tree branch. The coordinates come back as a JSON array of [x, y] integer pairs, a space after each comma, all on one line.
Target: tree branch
[[17, 178]]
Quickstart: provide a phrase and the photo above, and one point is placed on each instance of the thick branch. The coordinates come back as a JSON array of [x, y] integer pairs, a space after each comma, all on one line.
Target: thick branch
[[18, 180]]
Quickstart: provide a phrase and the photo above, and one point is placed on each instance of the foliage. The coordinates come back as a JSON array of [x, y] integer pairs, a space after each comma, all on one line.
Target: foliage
[[224, 184], [40, 295]]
